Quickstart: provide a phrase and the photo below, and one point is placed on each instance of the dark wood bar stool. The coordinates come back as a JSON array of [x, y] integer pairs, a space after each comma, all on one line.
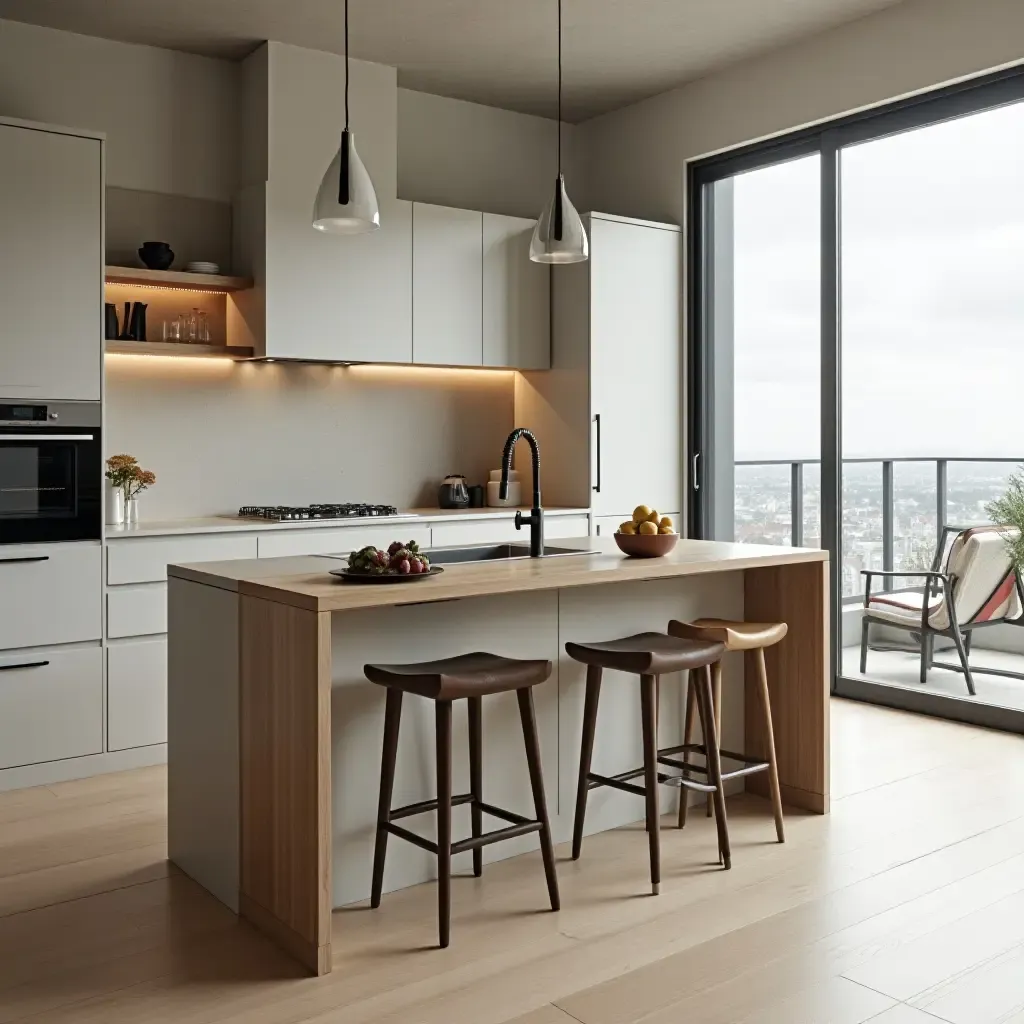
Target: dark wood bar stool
[[469, 676], [650, 655], [738, 636]]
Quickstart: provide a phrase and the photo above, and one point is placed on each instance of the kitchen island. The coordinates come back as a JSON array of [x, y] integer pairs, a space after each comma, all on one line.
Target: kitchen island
[[274, 735]]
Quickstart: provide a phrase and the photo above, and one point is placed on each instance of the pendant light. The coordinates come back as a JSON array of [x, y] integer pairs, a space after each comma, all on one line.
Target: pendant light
[[559, 236], [346, 203]]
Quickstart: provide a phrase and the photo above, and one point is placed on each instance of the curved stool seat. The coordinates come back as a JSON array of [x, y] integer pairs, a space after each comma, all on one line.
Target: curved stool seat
[[752, 637], [647, 654], [471, 677], [468, 675], [651, 655]]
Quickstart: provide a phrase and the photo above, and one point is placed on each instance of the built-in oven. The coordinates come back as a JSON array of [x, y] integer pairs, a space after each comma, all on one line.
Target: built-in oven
[[51, 472]]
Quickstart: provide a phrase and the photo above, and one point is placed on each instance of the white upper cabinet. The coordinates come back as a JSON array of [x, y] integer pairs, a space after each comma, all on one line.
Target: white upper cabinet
[[635, 366], [51, 264], [516, 297], [447, 286]]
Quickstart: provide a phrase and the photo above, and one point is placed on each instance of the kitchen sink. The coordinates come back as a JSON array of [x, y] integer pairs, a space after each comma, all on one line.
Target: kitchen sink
[[493, 553]]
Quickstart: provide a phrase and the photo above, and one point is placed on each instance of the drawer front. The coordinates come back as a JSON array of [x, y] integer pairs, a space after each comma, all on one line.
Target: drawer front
[[137, 610], [146, 560], [51, 704], [340, 541], [137, 693], [50, 594], [556, 527]]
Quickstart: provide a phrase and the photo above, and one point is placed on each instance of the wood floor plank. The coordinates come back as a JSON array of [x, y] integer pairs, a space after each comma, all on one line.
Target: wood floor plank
[[990, 993], [903, 1014]]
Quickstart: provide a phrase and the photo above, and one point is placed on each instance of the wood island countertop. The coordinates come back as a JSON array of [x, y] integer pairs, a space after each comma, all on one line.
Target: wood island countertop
[[305, 582]]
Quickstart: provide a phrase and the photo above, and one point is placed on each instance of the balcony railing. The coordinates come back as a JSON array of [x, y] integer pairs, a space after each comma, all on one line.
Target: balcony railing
[[796, 477]]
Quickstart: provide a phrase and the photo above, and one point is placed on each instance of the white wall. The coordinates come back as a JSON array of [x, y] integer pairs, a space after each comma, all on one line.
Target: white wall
[[219, 434], [170, 118], [454, 153], [909, 48]]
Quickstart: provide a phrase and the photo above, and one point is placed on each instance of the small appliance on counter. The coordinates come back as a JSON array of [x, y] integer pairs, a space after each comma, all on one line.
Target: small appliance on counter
[[453, 492], [515, 490]]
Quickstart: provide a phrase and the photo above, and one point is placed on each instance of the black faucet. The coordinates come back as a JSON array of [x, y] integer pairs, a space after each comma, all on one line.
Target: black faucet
[[535, 520]]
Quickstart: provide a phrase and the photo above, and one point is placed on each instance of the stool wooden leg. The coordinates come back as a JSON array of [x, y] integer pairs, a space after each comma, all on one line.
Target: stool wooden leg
[[540, 803], [649, 717], [716, 696], [707, 722], [392, 720], [691, 710], [769, 742], [586, 753], [476, 777], [443, 723]]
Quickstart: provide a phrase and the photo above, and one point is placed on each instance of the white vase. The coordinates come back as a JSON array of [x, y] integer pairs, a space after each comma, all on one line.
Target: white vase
[[131, 512], [115, 505]]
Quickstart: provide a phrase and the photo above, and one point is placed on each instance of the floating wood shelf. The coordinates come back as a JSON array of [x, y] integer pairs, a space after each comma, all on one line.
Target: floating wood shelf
[[177, 279], [178, 348]]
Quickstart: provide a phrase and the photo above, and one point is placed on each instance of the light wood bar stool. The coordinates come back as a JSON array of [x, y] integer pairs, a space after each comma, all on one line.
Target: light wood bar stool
[[469, 676], [650, 655], [738, 636]]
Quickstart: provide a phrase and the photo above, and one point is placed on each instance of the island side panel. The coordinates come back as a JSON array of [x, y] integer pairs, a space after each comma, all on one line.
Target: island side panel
[[798, 680], [285, 781], [202, 735]]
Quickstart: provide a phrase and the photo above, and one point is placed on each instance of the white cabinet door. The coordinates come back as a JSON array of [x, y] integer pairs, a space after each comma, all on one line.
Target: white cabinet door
[[340, 541], [51, 704], [447, 284], [337, 298], [516, 297], [636, 367], [50, 594], [137, 693], [51, 265], [137, 610], [145, 559]]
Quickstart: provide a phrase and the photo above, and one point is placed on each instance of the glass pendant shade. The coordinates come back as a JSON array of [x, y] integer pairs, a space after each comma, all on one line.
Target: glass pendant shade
[[346, 203], [559, 236]]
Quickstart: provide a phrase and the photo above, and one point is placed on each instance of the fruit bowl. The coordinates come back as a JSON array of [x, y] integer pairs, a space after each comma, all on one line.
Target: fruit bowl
[[643, 545]]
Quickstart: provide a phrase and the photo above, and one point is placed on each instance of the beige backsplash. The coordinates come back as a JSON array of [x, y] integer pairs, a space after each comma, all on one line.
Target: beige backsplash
[[221, 434]]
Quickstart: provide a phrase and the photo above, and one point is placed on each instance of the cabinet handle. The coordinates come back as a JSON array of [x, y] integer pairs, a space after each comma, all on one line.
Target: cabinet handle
[[597, 420], [23, 664], [695, 474], [23, 559], [42, 438]]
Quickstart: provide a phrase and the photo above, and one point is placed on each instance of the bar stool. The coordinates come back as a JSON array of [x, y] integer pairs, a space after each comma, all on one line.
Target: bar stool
[[469, 676], [738, 636], [650, 655]]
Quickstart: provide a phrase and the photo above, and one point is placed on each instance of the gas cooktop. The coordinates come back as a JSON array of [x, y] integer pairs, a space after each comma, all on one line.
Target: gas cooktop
[[297, 513]]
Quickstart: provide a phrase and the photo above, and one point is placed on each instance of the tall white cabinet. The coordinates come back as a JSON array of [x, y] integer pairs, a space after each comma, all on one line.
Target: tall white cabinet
[[610, 411], [51, 260]]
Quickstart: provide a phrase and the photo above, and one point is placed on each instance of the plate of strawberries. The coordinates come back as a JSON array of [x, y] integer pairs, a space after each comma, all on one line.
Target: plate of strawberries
[[403, 562]]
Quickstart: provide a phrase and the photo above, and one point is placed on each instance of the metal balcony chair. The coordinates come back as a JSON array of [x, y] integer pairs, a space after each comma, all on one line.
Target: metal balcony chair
[[978, 587]]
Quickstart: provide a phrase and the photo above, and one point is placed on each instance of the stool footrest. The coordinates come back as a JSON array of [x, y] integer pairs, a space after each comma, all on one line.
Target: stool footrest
[[426, 805], [499, 834], [749, 765], [411, 837], [621, 781]]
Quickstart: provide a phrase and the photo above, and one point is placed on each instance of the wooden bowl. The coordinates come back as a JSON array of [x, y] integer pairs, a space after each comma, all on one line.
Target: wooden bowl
[[638, 545]]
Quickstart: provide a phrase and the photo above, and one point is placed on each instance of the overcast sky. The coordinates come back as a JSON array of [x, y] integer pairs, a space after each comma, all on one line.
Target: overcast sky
[[933, 296]]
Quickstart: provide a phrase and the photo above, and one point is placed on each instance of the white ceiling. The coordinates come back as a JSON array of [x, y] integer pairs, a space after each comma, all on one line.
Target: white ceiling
[[498, 52]]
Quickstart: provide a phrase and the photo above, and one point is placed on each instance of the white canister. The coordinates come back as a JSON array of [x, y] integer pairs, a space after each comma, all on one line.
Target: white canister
[[515, 490]]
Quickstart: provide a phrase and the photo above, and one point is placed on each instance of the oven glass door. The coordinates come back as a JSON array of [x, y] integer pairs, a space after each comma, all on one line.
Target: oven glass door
[[49, 485]]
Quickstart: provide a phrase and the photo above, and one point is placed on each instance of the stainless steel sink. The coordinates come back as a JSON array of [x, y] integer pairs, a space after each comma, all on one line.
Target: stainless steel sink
[[493, 553]]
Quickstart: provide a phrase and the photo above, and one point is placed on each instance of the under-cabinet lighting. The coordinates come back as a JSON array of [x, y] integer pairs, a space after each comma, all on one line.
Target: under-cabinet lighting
[[167, 288], [413, 373]]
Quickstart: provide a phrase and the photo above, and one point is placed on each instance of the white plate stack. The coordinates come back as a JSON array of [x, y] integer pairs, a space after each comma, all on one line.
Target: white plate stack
[[202, 267]]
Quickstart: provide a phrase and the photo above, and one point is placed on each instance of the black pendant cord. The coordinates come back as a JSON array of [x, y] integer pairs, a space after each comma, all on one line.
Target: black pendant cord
[[344, 192], [557, 227]]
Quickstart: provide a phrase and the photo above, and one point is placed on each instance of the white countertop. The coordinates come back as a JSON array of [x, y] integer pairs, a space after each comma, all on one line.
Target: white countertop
[[232, 524]]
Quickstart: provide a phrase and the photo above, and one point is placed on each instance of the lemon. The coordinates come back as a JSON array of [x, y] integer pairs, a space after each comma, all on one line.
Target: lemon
[[654, 517], [641, 513], [666, 530], [629, 528], [648, 529], [665, 524]]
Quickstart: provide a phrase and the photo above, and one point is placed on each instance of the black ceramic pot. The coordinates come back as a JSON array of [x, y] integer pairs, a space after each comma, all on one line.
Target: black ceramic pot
[[156, 255]]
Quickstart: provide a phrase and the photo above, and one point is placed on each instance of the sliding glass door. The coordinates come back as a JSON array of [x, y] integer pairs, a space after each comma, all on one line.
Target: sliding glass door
[[855, 329]]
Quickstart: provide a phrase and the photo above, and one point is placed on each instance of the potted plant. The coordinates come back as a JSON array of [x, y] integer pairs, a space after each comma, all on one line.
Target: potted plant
[[1008, 512], [127, 481]]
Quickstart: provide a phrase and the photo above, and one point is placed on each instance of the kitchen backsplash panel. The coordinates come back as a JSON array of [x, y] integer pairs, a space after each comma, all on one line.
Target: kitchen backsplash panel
[[220, 434]]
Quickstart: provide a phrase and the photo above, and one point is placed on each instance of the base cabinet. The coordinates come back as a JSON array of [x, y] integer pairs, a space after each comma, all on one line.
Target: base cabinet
[[136, 693], [51, 704]]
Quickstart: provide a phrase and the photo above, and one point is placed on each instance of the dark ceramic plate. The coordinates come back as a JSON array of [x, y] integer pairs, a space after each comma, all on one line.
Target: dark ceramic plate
[[361, 577]]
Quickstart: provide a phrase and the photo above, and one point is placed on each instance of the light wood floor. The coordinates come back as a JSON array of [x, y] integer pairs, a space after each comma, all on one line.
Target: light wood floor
[[906, 905]]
